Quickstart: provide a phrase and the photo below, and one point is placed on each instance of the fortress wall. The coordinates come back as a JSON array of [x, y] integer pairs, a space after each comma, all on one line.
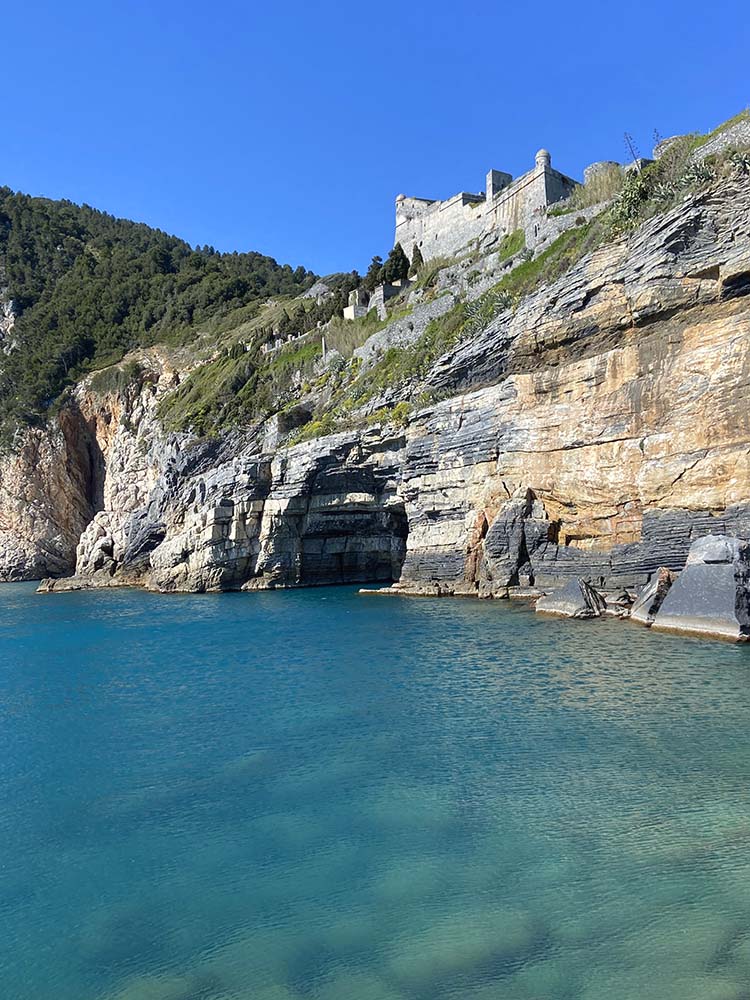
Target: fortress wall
[[515, 207], [443, 228], [558, 186]]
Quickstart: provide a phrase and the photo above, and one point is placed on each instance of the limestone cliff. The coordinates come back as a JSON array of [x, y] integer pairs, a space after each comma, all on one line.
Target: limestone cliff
[[48, 494], [594, 431]]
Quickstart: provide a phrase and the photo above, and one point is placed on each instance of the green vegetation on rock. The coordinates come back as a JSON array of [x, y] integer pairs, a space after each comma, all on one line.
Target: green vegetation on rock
[[396, 266], [602, 185], [88, 287], [741, 116], [417, 261], [511, 244], [553, 262], [116, 378], [660, 185], [238, 387]]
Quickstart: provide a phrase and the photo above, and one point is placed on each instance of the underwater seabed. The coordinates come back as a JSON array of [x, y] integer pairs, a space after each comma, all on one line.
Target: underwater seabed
[[305, 794]]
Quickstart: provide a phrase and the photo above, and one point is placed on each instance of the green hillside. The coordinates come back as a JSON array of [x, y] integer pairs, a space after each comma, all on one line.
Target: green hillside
[[88, 287]]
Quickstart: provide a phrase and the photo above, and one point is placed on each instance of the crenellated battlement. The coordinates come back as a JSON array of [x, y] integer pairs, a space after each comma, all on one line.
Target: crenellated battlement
[[442, 228]]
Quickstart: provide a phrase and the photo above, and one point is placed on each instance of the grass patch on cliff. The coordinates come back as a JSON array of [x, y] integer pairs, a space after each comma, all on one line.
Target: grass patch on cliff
[[603, 185], [116, 378], [661, 185], [511, 244], [346, 335], [551, 263], [212, 396], [318, 427], [428, 273], [743, 115], [337, 421], [396, 416], [398, 364], [466, 319], [238, 387]]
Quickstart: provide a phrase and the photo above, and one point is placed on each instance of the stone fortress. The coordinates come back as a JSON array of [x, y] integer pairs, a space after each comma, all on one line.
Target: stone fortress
[[442, 228], [446, 228]]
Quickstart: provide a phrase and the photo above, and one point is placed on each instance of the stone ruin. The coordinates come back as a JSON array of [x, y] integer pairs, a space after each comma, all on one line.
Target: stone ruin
[[361, 301]]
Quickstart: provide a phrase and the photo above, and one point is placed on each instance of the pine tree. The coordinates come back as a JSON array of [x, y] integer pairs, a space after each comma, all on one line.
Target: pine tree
[[397, 265], [373, 276], [417, 261]]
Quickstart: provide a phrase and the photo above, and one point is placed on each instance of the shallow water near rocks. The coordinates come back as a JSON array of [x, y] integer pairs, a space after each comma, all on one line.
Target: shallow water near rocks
[[320, 794]]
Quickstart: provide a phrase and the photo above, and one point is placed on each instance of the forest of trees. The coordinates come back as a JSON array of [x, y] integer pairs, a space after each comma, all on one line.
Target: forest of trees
[[88, 287]]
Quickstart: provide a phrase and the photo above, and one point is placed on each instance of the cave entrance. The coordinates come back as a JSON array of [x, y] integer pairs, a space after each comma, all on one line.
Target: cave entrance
[[354, 546]]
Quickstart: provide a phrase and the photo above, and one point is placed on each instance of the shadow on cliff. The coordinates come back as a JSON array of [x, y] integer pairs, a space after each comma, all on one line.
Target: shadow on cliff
[[85, 470]]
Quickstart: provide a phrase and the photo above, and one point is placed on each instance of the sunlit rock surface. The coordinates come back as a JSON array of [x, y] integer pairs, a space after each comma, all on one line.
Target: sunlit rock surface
[[596, 432], [711, 596]]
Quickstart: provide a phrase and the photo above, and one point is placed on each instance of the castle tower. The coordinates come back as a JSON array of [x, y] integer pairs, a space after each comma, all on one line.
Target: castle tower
[[543, 159], [496, 181]]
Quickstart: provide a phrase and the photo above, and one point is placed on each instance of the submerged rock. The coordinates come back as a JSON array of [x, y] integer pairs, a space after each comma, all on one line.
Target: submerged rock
[[461, 945], [62, 584], [651, 598], [712, 594], [577, 599]]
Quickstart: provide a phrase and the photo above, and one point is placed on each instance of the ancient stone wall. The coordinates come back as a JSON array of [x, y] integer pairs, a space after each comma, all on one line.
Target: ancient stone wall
[[439, 228], [443, 228]]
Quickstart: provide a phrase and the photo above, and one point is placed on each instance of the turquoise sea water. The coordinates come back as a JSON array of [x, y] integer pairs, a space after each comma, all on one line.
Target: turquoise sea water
[[317, 794]]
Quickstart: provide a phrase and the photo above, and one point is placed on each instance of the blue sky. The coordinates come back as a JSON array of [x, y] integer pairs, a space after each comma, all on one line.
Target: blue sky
[[290, 128]]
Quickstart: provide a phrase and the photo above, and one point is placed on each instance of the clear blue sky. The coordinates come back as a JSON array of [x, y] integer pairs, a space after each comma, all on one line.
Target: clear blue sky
[[290, 127]]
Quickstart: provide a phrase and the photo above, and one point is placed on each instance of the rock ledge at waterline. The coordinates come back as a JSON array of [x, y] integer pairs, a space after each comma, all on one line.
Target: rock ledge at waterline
[[595, 432]]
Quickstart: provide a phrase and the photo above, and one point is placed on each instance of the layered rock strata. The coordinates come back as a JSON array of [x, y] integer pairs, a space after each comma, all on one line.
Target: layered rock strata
[[50, 487], [577, 599], [593, 433]]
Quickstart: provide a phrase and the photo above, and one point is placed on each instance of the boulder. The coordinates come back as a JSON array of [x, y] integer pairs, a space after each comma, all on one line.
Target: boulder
[[577, 599], [711, 596], [618, 604], [517, 531], [651, 598]]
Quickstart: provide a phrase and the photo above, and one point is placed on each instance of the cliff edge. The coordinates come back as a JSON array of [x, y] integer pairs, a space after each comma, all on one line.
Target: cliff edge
[[594, 429]]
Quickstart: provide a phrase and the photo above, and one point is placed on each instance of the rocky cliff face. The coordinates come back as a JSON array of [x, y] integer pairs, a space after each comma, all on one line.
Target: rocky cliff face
[[48, 494], [594, 432]]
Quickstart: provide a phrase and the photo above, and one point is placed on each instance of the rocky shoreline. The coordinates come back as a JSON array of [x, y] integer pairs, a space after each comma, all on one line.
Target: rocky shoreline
[[710, 598], [589, 438]]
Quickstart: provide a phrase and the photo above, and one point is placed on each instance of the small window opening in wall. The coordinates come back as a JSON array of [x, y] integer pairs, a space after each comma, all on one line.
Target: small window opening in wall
[[536, 230]]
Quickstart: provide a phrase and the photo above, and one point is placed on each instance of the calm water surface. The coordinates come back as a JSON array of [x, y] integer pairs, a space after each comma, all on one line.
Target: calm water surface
[[317, 794]]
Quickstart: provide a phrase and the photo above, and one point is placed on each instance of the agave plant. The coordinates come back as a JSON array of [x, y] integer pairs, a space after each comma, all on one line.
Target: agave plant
[[740, 160]]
